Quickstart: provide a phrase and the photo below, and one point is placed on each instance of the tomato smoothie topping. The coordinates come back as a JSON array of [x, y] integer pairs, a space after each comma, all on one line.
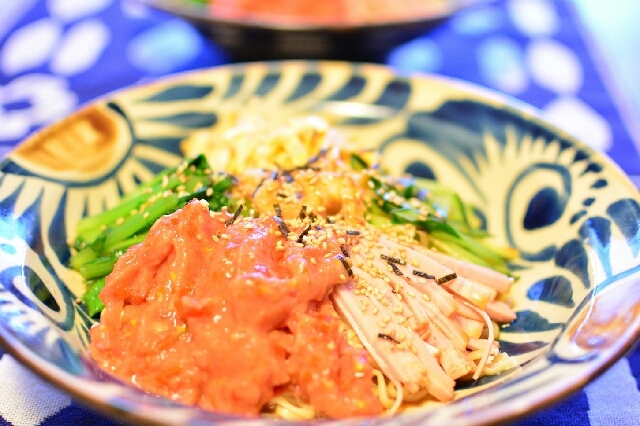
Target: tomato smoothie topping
[[226, 314]]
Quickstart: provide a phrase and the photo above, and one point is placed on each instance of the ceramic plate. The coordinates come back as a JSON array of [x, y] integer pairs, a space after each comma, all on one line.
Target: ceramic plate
[[268, 37], [570, 211]]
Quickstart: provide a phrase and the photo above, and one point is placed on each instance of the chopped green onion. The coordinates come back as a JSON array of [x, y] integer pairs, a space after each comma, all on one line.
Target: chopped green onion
[[102, 238]]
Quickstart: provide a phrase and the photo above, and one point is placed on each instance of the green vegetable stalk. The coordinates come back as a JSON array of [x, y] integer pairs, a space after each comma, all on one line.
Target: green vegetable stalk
[[451, 224], [101, 239]]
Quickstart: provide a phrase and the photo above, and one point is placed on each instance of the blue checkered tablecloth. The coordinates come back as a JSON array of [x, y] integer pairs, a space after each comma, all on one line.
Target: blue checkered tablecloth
[[554, 54]]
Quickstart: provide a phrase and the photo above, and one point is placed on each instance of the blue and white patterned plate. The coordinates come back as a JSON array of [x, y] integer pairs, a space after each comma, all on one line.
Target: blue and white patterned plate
[[570, 211]]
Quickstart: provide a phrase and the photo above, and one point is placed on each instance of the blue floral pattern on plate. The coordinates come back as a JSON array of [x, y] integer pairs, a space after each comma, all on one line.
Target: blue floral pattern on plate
[[572, 214]]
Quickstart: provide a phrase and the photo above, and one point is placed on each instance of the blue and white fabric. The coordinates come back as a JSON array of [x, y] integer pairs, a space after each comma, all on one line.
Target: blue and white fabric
[[56, 55]]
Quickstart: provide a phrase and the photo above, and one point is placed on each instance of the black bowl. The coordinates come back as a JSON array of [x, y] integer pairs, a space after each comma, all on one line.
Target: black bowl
[[267, 39]]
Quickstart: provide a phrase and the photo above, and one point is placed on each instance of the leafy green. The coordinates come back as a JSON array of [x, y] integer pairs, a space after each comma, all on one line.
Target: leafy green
[[451, 224], [91, 296], [102, 238]]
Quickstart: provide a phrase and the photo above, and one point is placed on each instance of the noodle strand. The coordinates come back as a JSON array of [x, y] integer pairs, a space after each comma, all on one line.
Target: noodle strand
[[490, 340]]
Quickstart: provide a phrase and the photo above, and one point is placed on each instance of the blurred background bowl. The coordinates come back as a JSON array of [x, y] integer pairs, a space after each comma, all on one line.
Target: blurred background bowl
[[367, 31]]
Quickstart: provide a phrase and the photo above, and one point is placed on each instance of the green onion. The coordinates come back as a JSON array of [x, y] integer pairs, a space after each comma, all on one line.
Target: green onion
[[91, 297], [98, 267], [102, 238], [357, 163], [451, 224]]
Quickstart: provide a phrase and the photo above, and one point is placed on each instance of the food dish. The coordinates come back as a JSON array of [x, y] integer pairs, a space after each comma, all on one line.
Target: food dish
[[252, 36], [338, 291], [570, 211]]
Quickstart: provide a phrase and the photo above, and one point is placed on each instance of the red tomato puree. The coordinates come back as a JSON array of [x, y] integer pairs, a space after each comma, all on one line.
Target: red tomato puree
[[226, 317]]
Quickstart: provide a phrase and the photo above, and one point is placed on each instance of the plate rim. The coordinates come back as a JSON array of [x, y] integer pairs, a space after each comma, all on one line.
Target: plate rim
[[72, 384]]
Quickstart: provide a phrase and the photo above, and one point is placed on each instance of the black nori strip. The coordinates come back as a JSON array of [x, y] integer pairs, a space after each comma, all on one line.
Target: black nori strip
[[304, 167], [423, 274], [286, 174], [393, 259], [278, 210], [395, 269], [307, 165], [283, 226], [235, 216], [255, 191], [344, 250], [446, 278], [353, 232], [303, 213], [303, 233], [345, 264], [387, 337], [273, 176]]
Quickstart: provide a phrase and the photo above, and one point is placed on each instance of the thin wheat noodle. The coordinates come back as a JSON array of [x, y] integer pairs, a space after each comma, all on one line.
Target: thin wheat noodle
[[381, 389], [383, 395], [284, 406], [501, 362], [399, 396], [490, 340]]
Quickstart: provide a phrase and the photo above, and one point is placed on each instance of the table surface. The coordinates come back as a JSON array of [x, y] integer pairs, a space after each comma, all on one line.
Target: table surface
[[577, 61]]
